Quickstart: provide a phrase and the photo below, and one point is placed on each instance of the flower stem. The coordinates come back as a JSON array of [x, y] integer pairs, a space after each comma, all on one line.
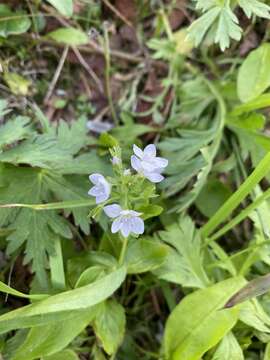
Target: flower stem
[[123, 250]]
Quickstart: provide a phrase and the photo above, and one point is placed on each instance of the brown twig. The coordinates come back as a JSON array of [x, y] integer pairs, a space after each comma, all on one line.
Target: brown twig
[[95, 49], [117, 13], [56, 75], [87, 68]]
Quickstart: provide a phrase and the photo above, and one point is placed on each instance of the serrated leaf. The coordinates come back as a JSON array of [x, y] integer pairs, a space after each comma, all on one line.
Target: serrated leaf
[[185, 159], [40, 151], [255, 7], [184, 262], [227, 28], [72, 137], [199, 27], [39, 229], [65, 7], [69, 36], [15, 130]]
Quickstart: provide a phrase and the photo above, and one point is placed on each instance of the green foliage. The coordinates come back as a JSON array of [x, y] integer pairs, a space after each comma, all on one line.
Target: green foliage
[[13, 23], [63, 305], [82, 291], [109, 325], [69, 36], [65, 7], [219, 22], [229, 348], [45, 340], [208, 322], [184, 263], [253, 77]]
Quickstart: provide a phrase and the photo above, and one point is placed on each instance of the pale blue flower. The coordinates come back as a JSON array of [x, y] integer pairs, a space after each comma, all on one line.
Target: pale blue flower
[[146, 162], [126, 221], [116, 160], [101, 189]]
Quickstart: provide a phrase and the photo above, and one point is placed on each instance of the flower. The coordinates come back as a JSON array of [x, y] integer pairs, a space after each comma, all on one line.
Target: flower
[[116, 160], [126, 221], [146, 162], [102, 189], [99, 127], [127, 172]]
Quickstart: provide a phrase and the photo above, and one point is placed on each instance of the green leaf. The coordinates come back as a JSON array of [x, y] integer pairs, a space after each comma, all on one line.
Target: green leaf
[[255, 7], [212, 196], [253, 315], [8, 290], [47, 340], [69, 36], [63, 305], [253, 76], [185, 159], [229, 349], [199, 27], [184, 262], [202, 321], [109, 325], [260, 102], [13, 23], [63, 355], [252, 138], [145, 255], [40, 151], [77, 265], [91, 275], [267, 352], [227, 27], [40, 229], [65, 7], [15, 130], [18, 84]]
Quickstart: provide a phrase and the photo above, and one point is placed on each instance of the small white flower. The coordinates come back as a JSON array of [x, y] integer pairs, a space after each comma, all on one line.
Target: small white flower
[[126, 221], [127, 172], [116, 160], [146, 162], [101, 189]]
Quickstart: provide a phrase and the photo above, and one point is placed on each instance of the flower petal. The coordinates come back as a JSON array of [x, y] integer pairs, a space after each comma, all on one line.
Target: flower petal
[[161, 162], [137, 225], [106, 186], [136, 163], [95, 178], [112, 210], [94, 191], [101, 198], [137, 151], [148, 166], [150, 150], [125, 228], [116, 225], [154, 177]]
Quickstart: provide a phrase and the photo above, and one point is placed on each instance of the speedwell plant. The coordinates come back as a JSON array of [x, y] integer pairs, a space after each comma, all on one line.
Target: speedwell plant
[[126, 197]]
